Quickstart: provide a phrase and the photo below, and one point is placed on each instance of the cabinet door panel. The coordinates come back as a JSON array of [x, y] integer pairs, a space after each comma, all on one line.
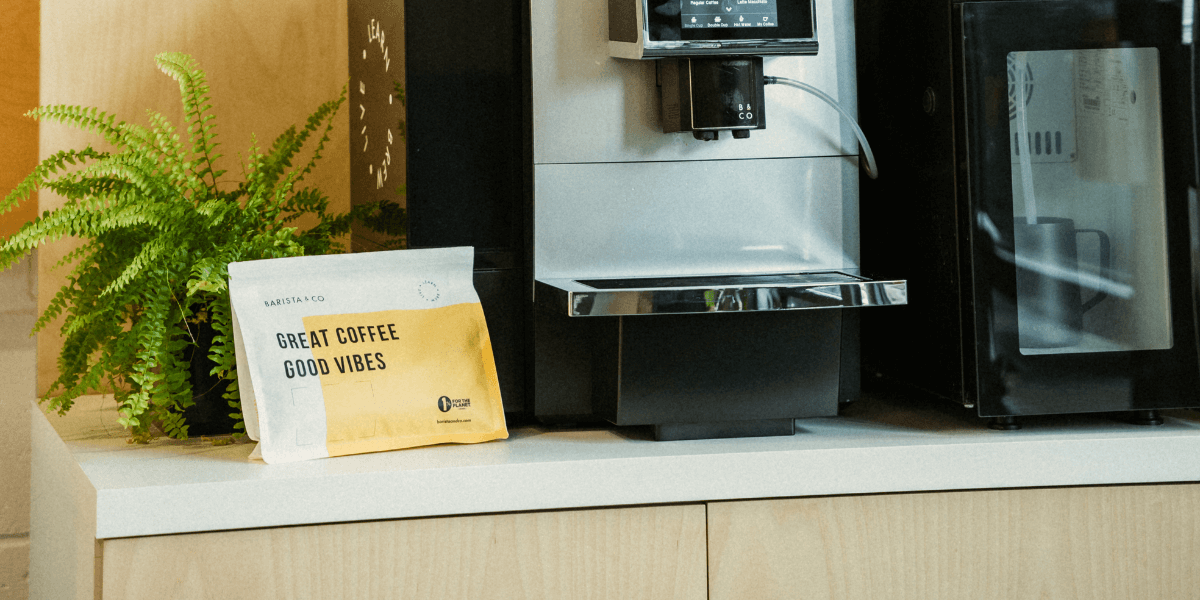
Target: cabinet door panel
[[1109, 542], [625, 553]]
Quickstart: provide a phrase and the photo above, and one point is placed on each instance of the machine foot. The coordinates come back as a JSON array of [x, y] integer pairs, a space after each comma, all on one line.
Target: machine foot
[[1004, 423], [1145, 417], [726, 429]]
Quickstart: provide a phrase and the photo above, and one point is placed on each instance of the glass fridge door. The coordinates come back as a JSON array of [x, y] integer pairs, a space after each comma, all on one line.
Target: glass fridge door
[[1077, 141], [1089, 204]]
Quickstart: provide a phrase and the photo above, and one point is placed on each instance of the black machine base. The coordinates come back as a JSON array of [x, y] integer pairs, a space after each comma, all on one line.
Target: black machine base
[[1145, 417], [1148, 418], [1004, 423], [728, 429], [694, 376]]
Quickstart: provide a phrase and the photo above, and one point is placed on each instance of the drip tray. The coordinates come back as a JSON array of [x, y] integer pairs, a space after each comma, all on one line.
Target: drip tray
[[716, 293]]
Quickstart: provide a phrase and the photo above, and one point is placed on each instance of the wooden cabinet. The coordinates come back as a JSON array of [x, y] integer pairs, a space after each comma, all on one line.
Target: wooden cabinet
[[1094, 542], [597, 514], [1136, 542], [637, 553]]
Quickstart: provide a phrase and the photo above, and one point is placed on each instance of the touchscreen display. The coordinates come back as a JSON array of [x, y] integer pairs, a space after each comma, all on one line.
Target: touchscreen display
[[752, 22], [707, 14]]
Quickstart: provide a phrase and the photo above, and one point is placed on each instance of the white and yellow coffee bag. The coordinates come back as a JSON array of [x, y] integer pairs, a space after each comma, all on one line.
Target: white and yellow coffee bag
[[352, 353]]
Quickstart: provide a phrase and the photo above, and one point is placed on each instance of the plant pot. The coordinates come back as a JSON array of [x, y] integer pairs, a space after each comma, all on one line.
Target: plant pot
[[210, 413]]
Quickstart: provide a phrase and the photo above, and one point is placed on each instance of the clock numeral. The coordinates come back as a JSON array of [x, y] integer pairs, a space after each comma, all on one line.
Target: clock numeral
[[389, 138], [362, 111], [365, 142], [362, 87], [379, 179], [387, 156], [375, 32]]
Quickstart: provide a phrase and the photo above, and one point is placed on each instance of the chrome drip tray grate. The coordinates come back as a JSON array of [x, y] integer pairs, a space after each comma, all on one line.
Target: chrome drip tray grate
[[715, 293], [722, 281]]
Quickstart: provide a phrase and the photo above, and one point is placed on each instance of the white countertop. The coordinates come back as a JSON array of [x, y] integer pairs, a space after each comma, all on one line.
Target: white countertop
[[876, 446]]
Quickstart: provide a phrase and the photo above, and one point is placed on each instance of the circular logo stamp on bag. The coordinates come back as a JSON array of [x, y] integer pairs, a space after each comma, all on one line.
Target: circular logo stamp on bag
[[428, 290], [444, 404]]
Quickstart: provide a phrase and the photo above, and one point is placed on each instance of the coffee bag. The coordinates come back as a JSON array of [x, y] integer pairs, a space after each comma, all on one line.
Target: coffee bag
[[352, 353]]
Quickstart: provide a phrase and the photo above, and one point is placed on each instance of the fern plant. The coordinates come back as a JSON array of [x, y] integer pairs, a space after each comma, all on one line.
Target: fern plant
[[159, 224]]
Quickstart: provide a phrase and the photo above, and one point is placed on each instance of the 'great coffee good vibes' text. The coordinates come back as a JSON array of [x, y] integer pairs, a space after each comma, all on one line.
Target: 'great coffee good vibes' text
[[341, 336]]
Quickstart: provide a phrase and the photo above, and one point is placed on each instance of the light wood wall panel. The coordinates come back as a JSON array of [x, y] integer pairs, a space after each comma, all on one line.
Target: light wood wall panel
[[18, 156], [639, 553], [1136, 542], [18, 93], [269, 64]]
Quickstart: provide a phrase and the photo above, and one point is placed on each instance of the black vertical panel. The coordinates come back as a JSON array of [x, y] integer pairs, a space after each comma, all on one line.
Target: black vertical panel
[[465, 123], [1194, 187], [907, 105], [469, 156], [375, 44], [1193, 80]]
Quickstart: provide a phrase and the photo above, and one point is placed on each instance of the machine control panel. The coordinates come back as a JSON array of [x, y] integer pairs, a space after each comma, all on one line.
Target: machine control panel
[[647, 29], [708, 14]]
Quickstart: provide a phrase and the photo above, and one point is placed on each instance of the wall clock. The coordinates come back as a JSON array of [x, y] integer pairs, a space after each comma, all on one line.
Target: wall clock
[[376, 61]]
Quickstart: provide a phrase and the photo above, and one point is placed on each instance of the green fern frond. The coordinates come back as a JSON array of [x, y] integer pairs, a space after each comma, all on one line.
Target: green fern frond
[[41, 173], [53, 310], [324, 113], [83, 118], [149, 253], [72, 256], [193, 90]]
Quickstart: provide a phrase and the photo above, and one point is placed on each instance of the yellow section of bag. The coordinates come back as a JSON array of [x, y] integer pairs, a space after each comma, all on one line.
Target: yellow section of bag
[[403, 378]]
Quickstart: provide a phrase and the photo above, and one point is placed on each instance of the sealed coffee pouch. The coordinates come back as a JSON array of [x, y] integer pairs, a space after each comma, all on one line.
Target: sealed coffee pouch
[[352, 353]]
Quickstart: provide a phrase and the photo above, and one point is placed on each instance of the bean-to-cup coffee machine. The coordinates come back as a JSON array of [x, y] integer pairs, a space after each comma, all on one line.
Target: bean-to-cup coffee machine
[[1042, 153], [668, 237]]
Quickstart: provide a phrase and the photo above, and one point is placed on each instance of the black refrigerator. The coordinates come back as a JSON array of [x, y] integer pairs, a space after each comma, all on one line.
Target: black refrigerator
[[1039, 160]]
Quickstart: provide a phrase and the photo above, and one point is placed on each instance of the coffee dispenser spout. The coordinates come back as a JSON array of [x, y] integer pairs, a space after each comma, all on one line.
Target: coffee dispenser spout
[[707, 95]]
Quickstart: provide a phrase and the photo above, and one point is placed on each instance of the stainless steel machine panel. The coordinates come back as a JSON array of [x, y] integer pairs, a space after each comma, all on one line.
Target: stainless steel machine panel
[[590, 108], [695, 217]]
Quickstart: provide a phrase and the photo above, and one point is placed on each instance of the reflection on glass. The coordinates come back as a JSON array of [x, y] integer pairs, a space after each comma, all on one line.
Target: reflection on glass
[[1089, 220]]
